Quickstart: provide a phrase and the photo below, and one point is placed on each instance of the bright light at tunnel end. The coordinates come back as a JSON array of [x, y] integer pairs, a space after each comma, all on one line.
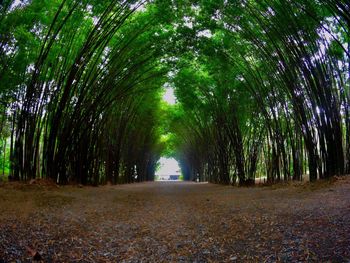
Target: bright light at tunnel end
[[169, 169]]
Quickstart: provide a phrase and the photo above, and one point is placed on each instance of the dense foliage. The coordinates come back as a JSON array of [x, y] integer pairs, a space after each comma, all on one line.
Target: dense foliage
[[263, 89]]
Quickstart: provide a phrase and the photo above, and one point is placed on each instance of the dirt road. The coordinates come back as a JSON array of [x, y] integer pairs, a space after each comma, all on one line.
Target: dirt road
[[176, 222]]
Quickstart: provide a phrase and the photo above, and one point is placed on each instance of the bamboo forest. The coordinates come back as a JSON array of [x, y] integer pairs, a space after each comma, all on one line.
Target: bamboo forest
[[249, 99]]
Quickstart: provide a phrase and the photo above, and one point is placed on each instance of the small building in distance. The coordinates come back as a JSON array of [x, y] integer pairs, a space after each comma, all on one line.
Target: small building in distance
[[170, 177], [174, 177]]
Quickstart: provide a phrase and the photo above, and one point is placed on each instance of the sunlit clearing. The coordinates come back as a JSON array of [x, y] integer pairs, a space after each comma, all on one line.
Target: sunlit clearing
[[169, 169], [169, 96]]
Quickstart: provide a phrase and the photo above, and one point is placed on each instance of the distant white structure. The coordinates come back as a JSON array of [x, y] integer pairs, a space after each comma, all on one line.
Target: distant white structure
[[169, 169]]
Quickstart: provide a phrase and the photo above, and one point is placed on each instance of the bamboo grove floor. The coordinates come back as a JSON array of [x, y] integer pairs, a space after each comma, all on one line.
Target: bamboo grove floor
[[176, 222]]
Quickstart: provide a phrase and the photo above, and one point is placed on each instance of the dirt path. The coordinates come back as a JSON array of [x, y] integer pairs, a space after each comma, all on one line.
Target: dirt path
[[176, 222]]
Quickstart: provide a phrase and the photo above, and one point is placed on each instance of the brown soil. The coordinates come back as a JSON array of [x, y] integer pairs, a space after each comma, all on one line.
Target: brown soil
[[176, 222]]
